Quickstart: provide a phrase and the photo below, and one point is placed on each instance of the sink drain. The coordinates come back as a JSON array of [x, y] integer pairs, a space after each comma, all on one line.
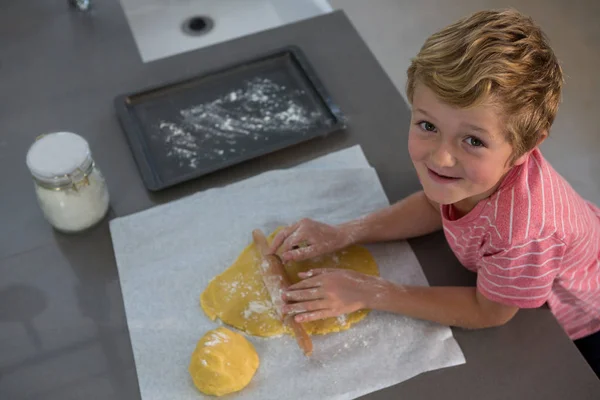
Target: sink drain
[[197, 25]]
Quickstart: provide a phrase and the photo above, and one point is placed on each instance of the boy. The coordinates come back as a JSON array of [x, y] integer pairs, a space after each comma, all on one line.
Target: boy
[[484, 93]]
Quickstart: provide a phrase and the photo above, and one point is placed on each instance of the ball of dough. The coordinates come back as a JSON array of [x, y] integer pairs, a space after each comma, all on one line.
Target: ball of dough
[[223, 362]]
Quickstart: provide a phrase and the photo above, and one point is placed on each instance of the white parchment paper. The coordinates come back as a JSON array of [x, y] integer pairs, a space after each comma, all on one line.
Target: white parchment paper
[[167, 255]]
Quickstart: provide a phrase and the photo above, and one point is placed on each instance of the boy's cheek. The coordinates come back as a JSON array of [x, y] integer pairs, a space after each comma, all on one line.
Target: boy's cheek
[[481, 175], [415, 148]]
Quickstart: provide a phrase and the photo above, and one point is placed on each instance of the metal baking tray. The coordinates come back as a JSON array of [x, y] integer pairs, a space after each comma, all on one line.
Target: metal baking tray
[[186, 129]]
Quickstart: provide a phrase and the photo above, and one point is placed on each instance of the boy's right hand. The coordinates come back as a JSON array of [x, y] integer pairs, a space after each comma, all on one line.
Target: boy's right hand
[[307, 239]]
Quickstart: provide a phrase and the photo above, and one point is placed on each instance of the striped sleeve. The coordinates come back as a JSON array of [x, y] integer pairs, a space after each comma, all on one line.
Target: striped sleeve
[[521, 275]]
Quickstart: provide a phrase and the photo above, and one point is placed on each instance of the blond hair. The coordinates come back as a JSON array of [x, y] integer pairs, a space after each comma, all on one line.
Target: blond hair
[[498, 56]]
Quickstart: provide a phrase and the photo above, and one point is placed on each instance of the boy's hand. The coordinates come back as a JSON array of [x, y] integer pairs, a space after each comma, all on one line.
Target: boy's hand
[[307, 239], [330, 292]]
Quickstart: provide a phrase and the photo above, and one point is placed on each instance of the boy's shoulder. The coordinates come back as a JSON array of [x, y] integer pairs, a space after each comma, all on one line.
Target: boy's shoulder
[[535, 201]]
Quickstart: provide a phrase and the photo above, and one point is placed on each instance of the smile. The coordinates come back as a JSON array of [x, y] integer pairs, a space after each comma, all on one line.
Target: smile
[[441, 178]]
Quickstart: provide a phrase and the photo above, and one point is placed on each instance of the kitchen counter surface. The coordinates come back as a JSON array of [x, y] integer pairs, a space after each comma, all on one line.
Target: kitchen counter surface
[[63, 330]]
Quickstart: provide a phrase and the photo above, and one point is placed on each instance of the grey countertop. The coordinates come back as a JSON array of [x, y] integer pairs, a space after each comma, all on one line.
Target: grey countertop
[[63, 331]]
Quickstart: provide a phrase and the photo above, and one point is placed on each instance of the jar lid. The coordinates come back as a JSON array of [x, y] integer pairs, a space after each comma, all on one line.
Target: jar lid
[[56, 157]]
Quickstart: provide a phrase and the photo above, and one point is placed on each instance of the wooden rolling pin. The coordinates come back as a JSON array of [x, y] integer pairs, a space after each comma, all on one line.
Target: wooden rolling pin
[[276, 281]]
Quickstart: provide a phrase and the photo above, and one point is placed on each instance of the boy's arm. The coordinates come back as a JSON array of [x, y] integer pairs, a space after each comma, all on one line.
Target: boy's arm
[[463, 307], [330, 292], [413, 216]]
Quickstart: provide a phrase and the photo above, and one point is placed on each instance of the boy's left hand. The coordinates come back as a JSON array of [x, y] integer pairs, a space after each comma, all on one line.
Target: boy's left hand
[[329, 292]]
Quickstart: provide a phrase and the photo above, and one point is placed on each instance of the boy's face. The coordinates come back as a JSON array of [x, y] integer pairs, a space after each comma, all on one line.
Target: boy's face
[[460, 154]]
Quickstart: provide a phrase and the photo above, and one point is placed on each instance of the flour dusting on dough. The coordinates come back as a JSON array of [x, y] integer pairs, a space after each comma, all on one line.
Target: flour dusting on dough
[[222, 336], [273, 285], [257, 307], [213, 342], [216, 338], [234, 286], [239, 296], [264, 265]]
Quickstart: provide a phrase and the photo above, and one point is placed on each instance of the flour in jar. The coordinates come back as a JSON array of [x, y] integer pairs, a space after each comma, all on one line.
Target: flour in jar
[[216, 129]]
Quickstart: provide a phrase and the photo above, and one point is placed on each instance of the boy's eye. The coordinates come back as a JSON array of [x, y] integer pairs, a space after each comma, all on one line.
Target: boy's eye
[[473, 141], [427, 126]]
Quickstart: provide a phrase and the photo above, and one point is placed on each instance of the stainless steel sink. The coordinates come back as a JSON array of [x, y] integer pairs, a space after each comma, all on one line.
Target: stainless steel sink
[[163, 28]]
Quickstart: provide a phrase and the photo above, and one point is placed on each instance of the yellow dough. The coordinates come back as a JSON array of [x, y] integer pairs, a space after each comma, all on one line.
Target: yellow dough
[[223, 362], [239, 298]]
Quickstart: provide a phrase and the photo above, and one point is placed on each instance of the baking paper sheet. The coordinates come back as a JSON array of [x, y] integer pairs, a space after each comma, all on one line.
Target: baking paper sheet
[[167, 255]]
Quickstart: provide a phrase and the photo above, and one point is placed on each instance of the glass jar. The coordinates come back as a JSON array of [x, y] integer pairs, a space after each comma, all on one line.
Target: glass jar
[[70, 188]]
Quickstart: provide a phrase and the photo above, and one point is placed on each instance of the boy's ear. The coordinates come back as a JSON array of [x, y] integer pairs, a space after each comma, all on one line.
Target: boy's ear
[[543, 136]]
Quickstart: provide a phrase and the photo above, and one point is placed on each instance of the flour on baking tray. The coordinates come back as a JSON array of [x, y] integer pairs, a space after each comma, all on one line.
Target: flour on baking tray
[[211, 130]]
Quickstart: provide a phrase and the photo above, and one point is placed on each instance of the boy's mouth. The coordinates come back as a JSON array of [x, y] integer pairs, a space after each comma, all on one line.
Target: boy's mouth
[[440, 177]]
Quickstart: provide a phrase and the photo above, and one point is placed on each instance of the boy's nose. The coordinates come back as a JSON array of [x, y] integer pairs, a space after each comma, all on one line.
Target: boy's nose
[[442, 157]]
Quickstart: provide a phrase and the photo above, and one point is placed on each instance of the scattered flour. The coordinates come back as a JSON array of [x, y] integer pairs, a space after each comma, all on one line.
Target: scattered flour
[[273, 285], [264, 265], [257, 307], [261, 108], [216, 338], [213, 342], [234, 286]]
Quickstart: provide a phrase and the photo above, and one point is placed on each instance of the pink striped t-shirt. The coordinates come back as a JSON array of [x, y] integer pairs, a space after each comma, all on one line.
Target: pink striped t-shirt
[[535, 240]]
